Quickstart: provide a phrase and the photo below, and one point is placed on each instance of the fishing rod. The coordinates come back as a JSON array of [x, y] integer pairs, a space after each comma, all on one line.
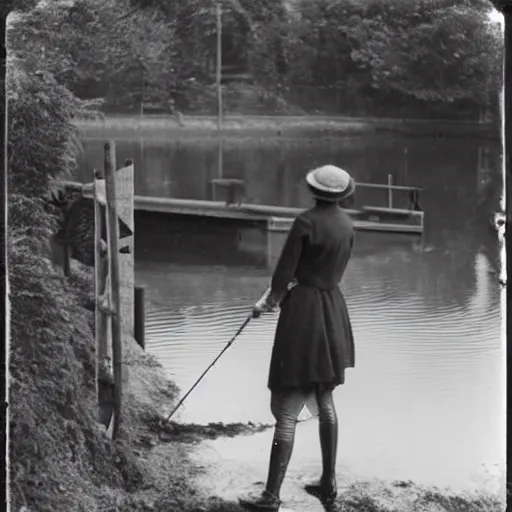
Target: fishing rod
[[230, 342]]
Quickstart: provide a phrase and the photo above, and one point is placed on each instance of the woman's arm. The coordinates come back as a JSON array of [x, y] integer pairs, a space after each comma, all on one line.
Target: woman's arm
[[288, 261]]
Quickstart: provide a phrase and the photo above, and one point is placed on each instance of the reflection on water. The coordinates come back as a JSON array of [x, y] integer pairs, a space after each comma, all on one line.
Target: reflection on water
[[273, 169], [426, 398]]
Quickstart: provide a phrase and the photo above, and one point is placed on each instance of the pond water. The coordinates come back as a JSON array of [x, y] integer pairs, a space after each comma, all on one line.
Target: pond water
[[426, 400]]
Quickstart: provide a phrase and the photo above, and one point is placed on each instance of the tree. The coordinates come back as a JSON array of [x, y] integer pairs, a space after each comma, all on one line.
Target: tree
[[257, 30], [95, 50], [440, 50], [423, 51], [318, 42]]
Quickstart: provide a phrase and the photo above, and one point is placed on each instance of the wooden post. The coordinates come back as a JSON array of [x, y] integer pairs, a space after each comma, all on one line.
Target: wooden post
[[99, 343], [117, 346], [390, 191], [140, 313], [125, 213], [103, 335]]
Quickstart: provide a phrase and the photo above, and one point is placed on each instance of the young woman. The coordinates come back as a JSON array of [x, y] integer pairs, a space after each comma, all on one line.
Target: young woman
[[313, 343]]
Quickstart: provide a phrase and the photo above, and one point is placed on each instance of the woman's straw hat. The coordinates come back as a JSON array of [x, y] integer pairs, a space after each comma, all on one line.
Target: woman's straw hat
[[330, 183]]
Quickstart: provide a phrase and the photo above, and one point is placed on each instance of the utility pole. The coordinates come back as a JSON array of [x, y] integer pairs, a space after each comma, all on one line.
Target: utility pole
[[219, 63], [218, 10]]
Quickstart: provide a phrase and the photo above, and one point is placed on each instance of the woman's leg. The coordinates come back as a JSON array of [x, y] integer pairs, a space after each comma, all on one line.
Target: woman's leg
[[286, 407], [328, 430]]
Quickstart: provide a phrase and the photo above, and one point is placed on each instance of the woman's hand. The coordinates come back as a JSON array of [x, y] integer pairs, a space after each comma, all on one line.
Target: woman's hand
[[258, 309]]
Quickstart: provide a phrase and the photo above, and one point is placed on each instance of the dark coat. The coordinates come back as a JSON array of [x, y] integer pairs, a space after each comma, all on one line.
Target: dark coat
[[313, 342]]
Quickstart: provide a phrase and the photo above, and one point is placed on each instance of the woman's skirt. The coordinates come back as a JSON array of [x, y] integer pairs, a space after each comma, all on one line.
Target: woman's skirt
[[313, 343]]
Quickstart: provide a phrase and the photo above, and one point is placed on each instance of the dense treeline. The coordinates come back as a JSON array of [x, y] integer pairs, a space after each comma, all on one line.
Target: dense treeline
[[358, 53]]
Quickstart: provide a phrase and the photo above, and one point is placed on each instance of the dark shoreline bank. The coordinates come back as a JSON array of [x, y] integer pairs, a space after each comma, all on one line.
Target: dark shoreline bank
[[128, 127]]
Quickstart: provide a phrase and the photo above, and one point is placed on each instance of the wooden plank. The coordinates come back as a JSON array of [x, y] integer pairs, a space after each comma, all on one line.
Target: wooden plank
[[225, 213], [103, 325], [383, 186], [117, 345], [101, 266], [198, 206], [124, 208], [280, 224], [218, 209], [386, 186], [257, 213], [388, 227], [391, 211]]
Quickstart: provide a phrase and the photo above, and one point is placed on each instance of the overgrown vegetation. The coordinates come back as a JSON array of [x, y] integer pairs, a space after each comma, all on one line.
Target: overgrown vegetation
[[51, 398]]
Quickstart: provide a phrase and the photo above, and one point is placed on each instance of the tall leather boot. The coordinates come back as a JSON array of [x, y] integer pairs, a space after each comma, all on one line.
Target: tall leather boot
[[326, 489], [269, 500]]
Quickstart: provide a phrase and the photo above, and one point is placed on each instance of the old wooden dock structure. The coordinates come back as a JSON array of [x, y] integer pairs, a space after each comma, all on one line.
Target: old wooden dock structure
[[280, 218]]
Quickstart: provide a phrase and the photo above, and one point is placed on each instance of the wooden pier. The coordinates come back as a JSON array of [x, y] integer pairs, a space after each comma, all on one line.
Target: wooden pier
[[280, 218]]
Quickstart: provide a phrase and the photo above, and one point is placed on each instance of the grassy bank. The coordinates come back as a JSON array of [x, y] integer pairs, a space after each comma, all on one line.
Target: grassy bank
[[273, 126]]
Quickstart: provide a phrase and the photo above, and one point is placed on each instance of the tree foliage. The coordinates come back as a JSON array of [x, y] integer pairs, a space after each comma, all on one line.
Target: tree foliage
[[157, 51], [441, 50], [46, 376], [99, 48], [58, 457]]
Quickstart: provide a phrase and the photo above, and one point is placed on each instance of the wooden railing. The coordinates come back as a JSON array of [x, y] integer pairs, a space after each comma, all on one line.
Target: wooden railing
[[414, 192]]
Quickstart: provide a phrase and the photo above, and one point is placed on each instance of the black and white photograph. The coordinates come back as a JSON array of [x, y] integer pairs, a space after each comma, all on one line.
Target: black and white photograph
[[255, 255]]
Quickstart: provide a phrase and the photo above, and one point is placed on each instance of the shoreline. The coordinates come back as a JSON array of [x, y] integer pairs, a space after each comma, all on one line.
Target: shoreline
[[155, 468], [174, 448], [356, 495], [275, 126]]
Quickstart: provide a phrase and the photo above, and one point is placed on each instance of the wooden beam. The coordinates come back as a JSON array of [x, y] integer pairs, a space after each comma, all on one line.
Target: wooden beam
[[383, 186], [103, 334], [283, 225], [386, 186], [117, 345], [253, 212], [124, 209]]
